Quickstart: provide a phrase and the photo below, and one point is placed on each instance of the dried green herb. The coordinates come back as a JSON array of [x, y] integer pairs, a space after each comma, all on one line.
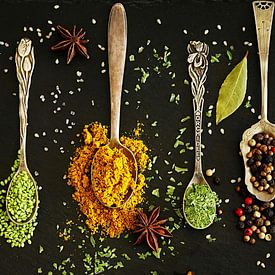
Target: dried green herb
[[232, 91], [200, 205]]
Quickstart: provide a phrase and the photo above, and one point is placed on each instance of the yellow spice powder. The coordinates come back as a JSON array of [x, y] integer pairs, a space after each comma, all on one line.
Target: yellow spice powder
[[112, 176], [112, 222]]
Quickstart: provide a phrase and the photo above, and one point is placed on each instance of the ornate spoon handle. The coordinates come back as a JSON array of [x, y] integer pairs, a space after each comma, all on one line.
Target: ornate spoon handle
[[24, 59], [198, 66], [263, 13]]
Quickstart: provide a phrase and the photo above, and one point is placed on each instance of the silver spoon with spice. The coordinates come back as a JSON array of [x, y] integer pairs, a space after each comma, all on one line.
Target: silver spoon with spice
[[263, 14], [22, 194], [199, 201], [117, 42]]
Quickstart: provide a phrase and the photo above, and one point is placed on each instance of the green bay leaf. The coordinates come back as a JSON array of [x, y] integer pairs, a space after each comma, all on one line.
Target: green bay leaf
[[232, 91]]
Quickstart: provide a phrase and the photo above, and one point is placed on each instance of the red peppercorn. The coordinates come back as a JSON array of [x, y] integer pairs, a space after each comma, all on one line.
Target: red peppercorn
[[248, 201], [273, 149], [239, 212], [248, 232]]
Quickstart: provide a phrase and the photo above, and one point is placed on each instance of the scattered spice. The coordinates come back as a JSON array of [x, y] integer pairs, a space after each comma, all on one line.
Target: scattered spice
[[112, 175], [73, 41], [112, 222], [150, 228], [200, 205]]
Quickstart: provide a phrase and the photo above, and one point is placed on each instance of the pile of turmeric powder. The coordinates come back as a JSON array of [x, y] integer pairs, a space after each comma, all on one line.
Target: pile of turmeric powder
[[112, 176], [110, 221]]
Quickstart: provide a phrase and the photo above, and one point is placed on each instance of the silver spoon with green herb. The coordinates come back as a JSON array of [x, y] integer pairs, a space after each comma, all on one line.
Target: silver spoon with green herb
[[22, 195], [199, 201]]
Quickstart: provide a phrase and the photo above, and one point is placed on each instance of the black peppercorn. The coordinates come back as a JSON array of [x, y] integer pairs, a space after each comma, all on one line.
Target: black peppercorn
[[272, 220], [267, 159], [254, 169], [249, 223], [241, 225], [248, 209], [272, 229], [217, 180], [258, 137], [269, 213], [250, 162]]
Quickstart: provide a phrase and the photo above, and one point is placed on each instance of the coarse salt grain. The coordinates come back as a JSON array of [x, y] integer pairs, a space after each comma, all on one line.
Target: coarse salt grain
[[222, 131], [46, 149], [243, 29], [79, 73], [93, 21], [209, 124], [209, 131], [159, 21], [206, 32], [225, 43], [5, 71], [101, 47], [258, 263], [50, 22], [56, 7], [56, 61], [214, 43], [185, 31], [226, 200], [36, 135], [267, 255], [31, 29], [219, 27], [262, 265], [233, 181], [252, 110]]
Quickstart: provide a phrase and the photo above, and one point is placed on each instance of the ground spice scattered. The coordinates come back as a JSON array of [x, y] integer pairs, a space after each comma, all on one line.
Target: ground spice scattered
[[112, 222], [112, 176]]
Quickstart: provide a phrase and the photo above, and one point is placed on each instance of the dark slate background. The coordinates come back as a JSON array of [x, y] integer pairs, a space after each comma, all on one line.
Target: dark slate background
[[228, 254]]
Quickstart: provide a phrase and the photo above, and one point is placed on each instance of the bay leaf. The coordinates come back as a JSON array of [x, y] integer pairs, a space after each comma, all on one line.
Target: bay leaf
[[232, 91]]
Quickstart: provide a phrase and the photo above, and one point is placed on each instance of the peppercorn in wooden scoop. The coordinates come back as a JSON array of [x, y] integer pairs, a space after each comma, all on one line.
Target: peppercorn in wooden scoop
[[257, 146], [22, 195], [199, 201], [114, 188]]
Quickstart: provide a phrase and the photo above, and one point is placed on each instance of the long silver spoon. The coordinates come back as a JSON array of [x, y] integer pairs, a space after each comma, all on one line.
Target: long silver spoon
[[24, 59], [263, 14], [198, 66], [117, 42]]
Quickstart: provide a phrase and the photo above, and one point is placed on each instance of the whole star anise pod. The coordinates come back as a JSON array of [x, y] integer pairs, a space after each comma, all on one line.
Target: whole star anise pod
[[151, 228], [73, 41]]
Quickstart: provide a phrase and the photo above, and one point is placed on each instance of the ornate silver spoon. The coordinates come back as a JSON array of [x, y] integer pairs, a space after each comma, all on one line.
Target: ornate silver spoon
[[198, 66], [24, 59], [263, 14], [117, 42]]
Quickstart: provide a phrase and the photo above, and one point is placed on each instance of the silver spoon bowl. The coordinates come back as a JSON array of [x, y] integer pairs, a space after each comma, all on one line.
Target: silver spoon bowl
[[117, 42], [263, 14], [24, 59]]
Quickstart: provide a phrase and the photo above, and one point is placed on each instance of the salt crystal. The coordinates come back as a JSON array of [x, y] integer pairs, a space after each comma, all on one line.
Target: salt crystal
[[50, 22], [185, 31], [219, 27], [206, 32], [93, 21], [56, 61], [56, 7], [222, 131], [159, 21], [46, 149], [36, 135], [214, 43], [79, 73]]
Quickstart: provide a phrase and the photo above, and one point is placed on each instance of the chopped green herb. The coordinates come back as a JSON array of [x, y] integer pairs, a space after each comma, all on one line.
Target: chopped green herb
[[132, 58], [215, 58], [140, 49], [229, 55], [155, 192], [157, 254], [200, 205]]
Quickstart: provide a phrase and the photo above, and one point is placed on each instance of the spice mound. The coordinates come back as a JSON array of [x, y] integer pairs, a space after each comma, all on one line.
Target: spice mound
[[21, 197], [112, 176], [261, 162], [200, 205], [15, 235], [111, 221]]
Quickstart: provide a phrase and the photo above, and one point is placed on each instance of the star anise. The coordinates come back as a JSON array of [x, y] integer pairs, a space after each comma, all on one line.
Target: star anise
[[151, 228], [73, 41]]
